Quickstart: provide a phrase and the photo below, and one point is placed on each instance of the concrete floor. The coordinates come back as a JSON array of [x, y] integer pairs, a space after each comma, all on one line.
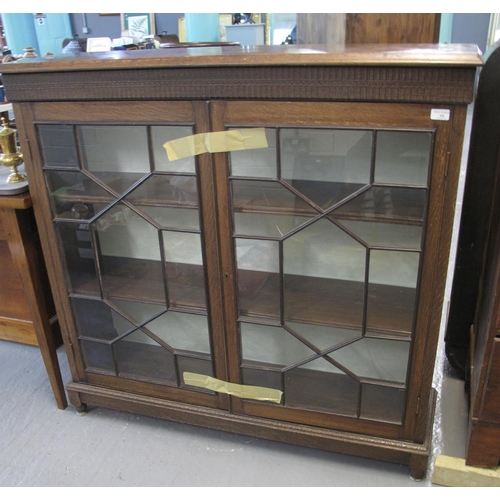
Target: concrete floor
[[43, 446]]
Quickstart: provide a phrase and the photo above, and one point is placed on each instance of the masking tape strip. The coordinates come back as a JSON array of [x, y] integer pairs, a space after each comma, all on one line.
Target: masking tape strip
[[216, 142], [241, 391]]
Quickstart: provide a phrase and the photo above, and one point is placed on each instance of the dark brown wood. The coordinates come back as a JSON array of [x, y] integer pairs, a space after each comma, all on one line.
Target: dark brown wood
[[404, 73], [472, 337], [484, 446], [391, 450], [26, 299], [442, 85], [324, 28], [365, 88], [416, 55], [478, 202], [392, 28]]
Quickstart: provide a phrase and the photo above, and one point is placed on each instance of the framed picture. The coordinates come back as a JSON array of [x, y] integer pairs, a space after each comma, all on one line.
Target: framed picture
[[138, 25]]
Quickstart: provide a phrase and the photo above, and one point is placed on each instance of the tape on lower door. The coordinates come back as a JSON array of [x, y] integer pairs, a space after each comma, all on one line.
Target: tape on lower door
[[239, 390], [216, 142]]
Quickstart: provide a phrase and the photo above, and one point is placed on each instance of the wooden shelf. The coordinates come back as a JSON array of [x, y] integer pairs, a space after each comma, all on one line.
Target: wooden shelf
[[400, 206]]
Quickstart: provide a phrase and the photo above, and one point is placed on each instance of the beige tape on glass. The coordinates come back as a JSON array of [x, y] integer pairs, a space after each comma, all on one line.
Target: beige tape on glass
[[241, 391], [216, 142]]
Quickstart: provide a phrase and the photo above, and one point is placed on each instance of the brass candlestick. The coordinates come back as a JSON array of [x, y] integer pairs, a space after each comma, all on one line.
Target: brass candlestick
[[11, 158]]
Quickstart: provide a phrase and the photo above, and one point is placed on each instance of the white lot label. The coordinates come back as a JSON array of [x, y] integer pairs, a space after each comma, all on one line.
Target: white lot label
[[440, 114]]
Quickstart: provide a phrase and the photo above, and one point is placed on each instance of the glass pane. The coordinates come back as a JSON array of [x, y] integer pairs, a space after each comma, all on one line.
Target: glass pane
[[378, 234], [272, 226], [377, 359], [74, 196], [187, 332], [129, 256], [138, 356], [324, 274], [326, 165], [58, 146], [256, 162], [402, 157], [138, 311], [162, 134], [262, 378], [163, 198], [382, 403], [324, 337], [98, 356], [184, 269], [258, 278], [95, 319], [386, 204], [194, 365], [392, 290], [320, 386], [267, 209], [116, 154], [271, 345], [75, 242]]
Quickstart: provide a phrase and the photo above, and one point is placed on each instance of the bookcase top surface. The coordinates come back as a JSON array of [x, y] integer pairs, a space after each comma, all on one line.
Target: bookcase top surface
[[447, 55]]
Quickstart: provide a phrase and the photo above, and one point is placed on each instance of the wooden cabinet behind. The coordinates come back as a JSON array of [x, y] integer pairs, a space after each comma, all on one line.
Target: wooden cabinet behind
[[310, 264], [368, 28]]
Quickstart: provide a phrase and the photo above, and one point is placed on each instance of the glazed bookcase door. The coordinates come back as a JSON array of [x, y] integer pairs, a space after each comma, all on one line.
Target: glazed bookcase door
[[328, 244], [132, 230]]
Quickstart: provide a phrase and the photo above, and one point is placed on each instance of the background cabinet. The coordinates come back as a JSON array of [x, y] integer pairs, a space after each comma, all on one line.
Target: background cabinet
[[312, 265]]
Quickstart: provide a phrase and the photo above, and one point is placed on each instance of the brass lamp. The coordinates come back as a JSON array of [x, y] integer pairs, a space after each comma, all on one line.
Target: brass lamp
[[11, 158]]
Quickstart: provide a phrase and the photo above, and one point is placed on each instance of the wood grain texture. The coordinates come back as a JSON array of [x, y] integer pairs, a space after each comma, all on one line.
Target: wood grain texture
[[394, 83], [391, 87], [483, 449], [325, 28], [17, 330], [416, 55], [392, 28], [21, 228], [315, 437]]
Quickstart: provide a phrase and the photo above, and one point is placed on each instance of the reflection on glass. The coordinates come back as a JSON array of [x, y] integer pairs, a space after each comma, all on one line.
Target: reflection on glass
[[382, 403], [77, 253], [74, 196], [326, 165], [162, 134], [197, 365], [129, 256], [262, 378], [184, 269], [271, 345], [324, 274], [116, 154], [58, 145], [138, 356], [377, 359], [165, 198], [138, 311], [267, 209], [378, 234], [402, 157], [95, 319], [392, 290], [98, 356], [256, 162], [385, 204], [319, 385], [258, 278], [324, 337], [187, 332]]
